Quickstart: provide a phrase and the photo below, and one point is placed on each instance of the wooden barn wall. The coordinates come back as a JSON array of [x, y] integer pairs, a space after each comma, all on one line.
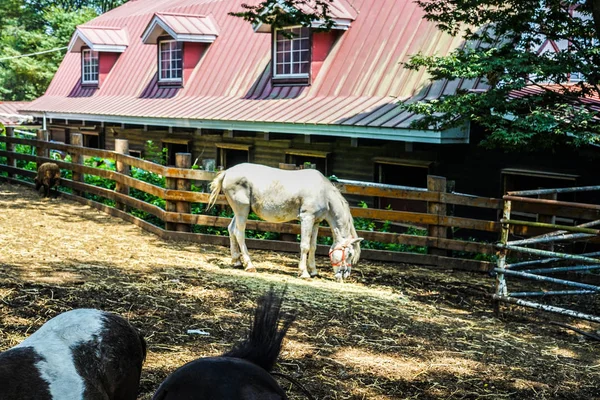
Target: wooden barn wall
[[471, 168], [270, 152]]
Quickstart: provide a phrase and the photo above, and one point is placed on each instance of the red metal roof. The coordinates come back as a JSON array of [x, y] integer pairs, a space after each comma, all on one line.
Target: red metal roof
[[337, 9], [591, 102], [104, 36], [9, 114], [190, 24], [358, 84]]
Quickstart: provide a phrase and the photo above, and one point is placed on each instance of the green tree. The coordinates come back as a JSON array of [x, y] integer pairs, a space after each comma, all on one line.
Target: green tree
[[501, 43], [38, 26], [280, 13]]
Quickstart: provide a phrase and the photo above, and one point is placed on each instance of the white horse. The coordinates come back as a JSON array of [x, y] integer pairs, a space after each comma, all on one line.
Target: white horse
[[277, 195]]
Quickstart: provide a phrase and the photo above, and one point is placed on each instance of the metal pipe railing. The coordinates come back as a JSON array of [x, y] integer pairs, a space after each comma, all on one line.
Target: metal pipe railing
[[546, 260], [552, 191], [573, 268], [535, 277], [552, 293], [544, 307]]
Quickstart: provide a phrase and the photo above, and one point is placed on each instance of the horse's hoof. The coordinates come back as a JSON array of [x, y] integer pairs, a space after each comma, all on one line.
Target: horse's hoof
[[250, 269], [305, 275], [237, 264]]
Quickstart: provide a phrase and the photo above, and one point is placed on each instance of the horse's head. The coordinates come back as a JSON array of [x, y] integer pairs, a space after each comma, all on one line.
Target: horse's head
[[342, 255]]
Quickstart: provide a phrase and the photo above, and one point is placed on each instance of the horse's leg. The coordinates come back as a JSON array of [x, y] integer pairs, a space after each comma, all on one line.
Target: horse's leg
[[312, 265], [233, 244], [240, 205], [240, 234], [307, 223]]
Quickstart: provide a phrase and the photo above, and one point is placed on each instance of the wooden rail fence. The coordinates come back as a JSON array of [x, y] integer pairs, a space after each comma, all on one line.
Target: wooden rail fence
[[178, 217]]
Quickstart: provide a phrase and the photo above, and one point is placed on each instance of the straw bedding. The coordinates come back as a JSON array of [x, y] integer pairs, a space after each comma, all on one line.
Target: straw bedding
[[391, 332]]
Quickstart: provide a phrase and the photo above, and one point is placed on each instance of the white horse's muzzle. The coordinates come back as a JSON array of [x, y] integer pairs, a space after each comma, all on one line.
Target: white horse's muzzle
[[340, 263]]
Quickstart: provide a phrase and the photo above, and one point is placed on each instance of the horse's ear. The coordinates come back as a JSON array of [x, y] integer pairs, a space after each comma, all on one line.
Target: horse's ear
[[356, 240]]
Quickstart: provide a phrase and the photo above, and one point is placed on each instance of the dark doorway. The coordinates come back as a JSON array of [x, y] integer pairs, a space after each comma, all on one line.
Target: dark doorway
[[401, 175], [174, 148], [231, 157]]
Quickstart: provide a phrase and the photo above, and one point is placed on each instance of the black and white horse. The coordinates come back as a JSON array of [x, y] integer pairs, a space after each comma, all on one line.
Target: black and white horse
[[83, 354], [241, 373]]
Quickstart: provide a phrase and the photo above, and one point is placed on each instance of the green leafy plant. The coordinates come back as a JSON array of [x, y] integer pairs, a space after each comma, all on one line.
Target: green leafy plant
[[502, 43]]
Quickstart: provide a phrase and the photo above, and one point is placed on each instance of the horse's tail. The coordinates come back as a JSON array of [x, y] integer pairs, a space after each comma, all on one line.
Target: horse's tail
[[215, 189], [263, 344]]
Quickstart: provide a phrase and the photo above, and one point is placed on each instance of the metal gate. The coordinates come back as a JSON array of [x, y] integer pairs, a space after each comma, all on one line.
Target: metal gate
[[537, 258]]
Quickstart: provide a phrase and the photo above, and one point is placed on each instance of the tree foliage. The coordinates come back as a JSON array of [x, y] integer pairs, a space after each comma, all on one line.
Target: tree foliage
[[501, 43], [281, 13], [36, 26]]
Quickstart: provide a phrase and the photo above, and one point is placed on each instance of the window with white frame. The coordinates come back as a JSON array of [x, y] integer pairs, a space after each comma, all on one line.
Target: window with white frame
[[170, 61], [89, 66], [291, 53]]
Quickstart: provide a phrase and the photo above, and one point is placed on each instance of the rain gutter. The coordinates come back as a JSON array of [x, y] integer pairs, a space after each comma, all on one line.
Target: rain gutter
[[459, 135]]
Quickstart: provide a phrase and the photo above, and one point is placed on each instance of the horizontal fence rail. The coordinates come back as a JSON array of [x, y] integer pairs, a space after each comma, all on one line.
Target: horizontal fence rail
[[565, 260], [436, 223]]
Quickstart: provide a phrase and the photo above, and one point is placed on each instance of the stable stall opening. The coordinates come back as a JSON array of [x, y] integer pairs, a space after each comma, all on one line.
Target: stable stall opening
[[314, 159], [231, 154], [91, 139], [401, 172], [517, 179], [174, 146]]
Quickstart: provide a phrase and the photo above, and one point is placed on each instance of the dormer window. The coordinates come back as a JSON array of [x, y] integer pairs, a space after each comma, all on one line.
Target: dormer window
[[89, 67], [291, 55], [100, 47], [170, 61], [179, 37]]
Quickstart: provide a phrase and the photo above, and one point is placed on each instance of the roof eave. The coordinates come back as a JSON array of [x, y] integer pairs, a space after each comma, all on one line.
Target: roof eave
[[150, 35], [459, 135], [79, 40]]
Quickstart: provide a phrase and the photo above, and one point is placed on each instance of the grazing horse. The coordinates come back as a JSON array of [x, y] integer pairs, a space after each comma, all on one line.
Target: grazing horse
[[83, 354], [242, 373], [277, 195], [48, 177]]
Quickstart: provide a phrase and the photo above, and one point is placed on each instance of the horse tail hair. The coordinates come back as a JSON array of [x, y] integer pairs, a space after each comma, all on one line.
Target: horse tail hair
[[263, 344], [215, 189]]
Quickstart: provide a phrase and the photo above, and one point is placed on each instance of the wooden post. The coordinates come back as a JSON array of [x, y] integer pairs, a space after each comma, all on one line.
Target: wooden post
[[437, 184], [170, 206], [10, 147], [40, 151], [287, 166], [77, 158], [549, 219], [501, 288], [183, 160], [122, 147]]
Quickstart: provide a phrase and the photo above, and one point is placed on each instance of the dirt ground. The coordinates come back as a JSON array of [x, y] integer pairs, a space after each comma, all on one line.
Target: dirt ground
[[391, 332]]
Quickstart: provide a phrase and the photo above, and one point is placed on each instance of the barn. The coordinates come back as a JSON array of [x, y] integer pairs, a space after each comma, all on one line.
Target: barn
[[182, 76]]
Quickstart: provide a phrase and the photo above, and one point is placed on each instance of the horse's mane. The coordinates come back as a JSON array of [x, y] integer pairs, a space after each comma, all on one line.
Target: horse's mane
[[263, 344]]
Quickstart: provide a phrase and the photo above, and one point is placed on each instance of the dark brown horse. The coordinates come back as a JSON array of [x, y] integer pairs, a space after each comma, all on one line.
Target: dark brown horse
[[48, 177], [241, 373]]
